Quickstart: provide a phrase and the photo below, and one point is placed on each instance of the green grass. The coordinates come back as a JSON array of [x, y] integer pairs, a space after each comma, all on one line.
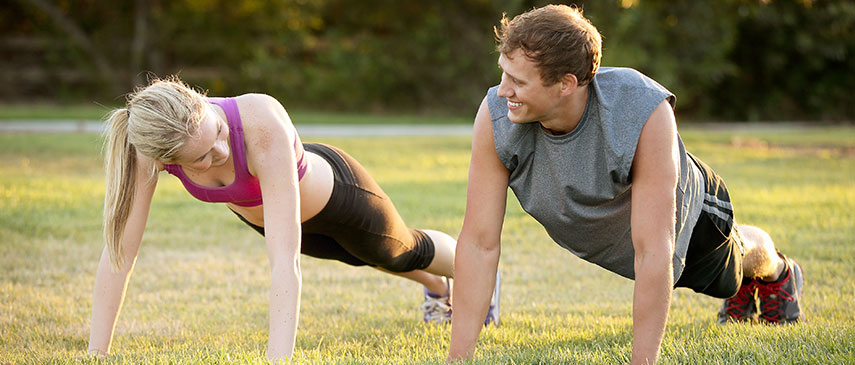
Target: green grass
[[46, 111], [199, 291]]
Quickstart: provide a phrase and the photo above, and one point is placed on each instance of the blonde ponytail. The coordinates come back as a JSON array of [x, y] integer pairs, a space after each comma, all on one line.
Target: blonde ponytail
[[120, 167], [157, 121]]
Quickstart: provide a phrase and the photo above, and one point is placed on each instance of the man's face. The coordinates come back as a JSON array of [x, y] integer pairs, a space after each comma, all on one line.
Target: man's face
[[528, 99]]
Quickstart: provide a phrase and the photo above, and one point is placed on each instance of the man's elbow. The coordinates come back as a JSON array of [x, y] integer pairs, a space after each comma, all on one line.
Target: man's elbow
[[653, 256], [480, 241]]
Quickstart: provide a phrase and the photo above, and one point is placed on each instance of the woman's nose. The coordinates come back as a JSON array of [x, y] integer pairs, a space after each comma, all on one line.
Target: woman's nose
[[222, 147]]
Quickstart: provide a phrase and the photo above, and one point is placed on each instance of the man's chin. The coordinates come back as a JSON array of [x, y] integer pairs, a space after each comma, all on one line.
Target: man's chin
[[518, 119]]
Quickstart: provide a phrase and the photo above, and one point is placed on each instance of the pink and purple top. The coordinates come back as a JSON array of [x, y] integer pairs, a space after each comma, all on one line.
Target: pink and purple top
[[245, 191]]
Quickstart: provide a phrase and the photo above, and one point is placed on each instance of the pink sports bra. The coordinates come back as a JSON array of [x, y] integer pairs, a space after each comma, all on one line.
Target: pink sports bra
[[245, 191]]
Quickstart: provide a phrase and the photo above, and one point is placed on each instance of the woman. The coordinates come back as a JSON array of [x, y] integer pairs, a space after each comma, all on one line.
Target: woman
[[316, 200]]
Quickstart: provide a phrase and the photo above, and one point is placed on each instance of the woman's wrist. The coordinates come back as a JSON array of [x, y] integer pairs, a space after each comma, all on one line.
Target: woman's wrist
[[97, 353]]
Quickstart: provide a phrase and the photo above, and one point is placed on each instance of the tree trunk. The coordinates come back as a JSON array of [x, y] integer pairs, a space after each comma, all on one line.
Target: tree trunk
[[102, 66], [138, 45]]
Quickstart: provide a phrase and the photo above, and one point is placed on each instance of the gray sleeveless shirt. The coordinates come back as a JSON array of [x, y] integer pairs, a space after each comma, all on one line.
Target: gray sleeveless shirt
[[578, 185]]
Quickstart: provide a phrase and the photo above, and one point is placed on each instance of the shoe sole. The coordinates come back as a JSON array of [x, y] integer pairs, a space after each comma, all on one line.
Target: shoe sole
[[800, 283]]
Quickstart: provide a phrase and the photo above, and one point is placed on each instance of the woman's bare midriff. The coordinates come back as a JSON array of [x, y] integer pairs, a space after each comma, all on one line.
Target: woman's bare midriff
[[315, 191]]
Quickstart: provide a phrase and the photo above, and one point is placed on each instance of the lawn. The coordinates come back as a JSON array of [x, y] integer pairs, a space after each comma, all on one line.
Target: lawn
[[199, 290]]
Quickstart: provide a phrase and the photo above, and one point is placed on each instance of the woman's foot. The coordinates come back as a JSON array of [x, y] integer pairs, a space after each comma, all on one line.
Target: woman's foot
[[437, 306]]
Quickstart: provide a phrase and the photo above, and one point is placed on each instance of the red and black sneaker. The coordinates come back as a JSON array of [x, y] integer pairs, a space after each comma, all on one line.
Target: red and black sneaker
[[780, 300], [742, 306]]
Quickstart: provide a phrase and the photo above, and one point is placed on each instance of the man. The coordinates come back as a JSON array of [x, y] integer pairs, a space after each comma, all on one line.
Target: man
[[594, 156]]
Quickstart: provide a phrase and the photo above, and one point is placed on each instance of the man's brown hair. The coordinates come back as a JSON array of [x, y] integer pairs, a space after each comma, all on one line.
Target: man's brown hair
[[557, 38]]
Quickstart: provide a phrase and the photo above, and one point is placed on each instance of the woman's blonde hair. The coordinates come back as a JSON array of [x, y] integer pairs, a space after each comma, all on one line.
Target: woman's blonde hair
[[155, 122]]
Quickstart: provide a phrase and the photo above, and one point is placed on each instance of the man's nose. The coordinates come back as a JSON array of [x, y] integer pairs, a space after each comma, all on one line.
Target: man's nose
[[504, 90]]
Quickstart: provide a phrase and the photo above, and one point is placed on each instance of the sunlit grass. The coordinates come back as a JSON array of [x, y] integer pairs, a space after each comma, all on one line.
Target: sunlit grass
[[199, 291]]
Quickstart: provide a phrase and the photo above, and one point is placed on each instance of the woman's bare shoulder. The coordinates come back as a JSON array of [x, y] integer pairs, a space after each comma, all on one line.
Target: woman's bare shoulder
[[266, 126], [261, 111]]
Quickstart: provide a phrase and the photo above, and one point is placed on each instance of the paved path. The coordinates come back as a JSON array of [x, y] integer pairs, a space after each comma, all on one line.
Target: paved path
[[382, 130], [376, 130]]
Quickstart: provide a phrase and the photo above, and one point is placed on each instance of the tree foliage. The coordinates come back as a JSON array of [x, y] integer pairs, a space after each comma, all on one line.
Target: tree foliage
[[726, 59]]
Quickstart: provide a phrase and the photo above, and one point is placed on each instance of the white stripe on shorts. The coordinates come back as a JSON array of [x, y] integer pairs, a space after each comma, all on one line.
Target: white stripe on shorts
[[717, 212], [715, 200]]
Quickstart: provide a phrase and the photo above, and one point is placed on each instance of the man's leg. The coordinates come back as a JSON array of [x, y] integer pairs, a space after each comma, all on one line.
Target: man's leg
[[776, 280], [761, 261]]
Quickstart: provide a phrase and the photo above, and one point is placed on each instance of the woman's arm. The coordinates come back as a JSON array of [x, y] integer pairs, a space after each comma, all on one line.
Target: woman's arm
[[270, 150], [110, 285]]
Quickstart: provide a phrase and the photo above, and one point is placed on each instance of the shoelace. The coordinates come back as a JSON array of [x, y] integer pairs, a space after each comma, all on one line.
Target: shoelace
[[773, 296], [742, 298], [436, 308]]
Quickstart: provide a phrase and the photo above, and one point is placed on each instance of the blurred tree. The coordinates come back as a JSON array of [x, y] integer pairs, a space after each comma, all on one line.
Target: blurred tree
[[60, 16], [795, 59], [382, 54], [138, 44], [726, 59], [683, 44]]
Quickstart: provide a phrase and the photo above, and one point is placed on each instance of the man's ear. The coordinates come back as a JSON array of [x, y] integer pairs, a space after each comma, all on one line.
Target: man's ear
[[568, 84]]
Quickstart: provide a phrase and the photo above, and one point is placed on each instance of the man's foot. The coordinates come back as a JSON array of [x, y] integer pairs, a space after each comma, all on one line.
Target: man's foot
[[780, 300], [437, 306], [493, 311], [742, 306]]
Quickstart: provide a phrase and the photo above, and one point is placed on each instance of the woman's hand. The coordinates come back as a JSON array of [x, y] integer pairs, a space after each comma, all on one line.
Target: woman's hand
[[270, 139]]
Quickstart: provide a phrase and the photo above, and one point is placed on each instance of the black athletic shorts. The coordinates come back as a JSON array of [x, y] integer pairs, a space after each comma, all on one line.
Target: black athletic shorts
[[360, 225], [714, 257]]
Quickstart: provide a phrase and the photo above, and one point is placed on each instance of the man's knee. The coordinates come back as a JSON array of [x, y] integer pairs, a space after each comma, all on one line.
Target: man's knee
[[755, 238], [760, 253]]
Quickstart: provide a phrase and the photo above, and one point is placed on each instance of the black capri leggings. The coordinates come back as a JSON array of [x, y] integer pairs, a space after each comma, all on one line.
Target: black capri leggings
[[360, 225]]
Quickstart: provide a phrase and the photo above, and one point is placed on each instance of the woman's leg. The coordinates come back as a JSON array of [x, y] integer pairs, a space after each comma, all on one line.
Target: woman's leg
[[441, 265], [367, 225], [362, 219], [430, 281], [443, 253]]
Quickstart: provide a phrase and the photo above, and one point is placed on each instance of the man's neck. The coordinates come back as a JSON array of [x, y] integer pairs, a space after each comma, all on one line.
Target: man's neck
[[569, 115]]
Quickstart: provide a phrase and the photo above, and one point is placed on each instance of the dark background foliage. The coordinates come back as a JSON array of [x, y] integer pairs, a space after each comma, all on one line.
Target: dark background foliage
[[725, 59]]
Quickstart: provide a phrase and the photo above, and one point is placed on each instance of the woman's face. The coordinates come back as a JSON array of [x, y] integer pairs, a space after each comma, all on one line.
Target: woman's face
[[209, 146]]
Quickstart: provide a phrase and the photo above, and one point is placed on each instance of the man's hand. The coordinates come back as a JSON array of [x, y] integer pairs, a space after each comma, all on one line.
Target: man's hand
[[655, 177]]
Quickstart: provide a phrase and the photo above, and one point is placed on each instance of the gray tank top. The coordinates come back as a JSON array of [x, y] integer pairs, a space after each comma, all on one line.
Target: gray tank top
[[578, 185]]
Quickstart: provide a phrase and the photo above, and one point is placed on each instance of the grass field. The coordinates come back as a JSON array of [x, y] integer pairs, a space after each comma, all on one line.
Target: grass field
[[199, 291]]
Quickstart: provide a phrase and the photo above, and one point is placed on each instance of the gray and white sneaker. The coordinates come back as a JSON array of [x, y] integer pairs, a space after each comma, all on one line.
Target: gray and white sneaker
[[437, 306], [493, 311]]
